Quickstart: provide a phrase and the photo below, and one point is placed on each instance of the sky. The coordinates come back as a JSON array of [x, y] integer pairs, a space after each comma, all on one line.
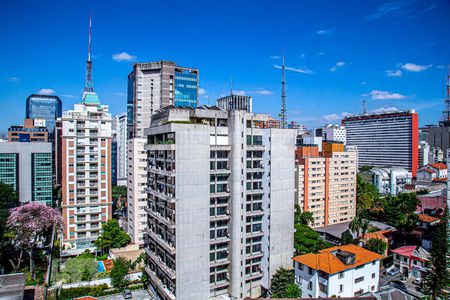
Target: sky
[[394, 54]]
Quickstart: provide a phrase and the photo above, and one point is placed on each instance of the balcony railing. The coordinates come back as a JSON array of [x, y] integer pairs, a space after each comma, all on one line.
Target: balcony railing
[[159, 262]]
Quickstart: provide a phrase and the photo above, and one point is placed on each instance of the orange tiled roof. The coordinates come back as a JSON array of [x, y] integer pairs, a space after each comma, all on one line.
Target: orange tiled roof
[[440, 166], [376, 235], [325, 261], [427, 219], [86, 298]]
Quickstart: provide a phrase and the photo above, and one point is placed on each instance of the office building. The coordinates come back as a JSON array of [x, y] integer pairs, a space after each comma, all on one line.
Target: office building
[[387, 139], [28, 167], [45, 107], [389, 181], [220, 203], [424, 153], [338, 272], [335, 133], [326, 182], [119, 133], [33, 130], [136, 194], [154, 85], [57, 152], [235, 102]]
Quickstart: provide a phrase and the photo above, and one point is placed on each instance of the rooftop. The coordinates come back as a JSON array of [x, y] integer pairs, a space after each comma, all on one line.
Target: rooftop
[[412, 251], [12, 286], [439, 166], [427, 219], [327, 261]]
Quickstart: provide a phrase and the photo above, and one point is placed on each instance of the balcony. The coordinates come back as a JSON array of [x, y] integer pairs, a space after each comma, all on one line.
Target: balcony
[[254, 255], [158, 284], [219, 284], [162, 265], [165, 220], [160, 171], [160, 147], [160, 241], [167, 197]]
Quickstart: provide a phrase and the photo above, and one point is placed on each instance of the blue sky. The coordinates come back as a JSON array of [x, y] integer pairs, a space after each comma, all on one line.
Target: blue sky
[[393, 53]]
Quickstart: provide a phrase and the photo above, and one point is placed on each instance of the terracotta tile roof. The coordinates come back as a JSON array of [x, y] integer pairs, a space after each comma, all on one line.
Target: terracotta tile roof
[[404, 250], [427, 219], [327, 262], [439, 166], [85, 298], [381, 235], [414, 252]]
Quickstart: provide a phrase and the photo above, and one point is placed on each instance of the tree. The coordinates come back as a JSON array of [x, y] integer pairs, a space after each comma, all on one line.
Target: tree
[[30, 224], [112, 236], [366, 194], [8, 200], [346, 238], [376, 245], [437, 280], [307, 240], [283, 286], [356, 224], [304, 218], [119, 196], [119, 272]]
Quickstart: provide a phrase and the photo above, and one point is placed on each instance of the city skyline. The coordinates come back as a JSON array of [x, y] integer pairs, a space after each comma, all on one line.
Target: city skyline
[[390, 53]]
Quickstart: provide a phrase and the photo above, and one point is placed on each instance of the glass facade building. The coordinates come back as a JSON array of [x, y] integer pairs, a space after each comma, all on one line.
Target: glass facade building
[[42, 178], [186, 87], [9, 169], [45, 107]]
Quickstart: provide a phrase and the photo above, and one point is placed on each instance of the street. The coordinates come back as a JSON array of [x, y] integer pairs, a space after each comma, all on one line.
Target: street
[[411, 288]]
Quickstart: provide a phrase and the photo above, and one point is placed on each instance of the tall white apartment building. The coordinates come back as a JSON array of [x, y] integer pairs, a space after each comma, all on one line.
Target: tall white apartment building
[[326, 182], [119, 132], [220, 203], [338, 272], [424, 153], [86, 173], [335, 133], [387, 139], [136, 194]]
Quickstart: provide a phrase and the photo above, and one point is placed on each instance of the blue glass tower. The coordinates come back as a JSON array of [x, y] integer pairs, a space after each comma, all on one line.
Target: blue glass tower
[[186, 88], [45, 107]]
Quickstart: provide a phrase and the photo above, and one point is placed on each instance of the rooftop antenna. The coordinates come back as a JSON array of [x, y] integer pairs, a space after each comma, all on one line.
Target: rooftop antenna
[[283, 94], [446, 112], [89, 85], [365, 107], [231, 86]]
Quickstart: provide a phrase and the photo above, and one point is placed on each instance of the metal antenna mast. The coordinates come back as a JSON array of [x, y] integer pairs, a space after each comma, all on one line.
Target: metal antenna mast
[[89, 85], [283, 95], [446, 112], [365, 106]]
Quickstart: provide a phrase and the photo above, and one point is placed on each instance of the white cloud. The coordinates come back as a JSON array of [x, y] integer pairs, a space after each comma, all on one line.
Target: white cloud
[[394, 73], [261, 92], [384, 95], [275, 57], [325, 31], [201, 92], [332, 117], [298, 70], [120, 94], [346, 114], [440, 67], [123, 57], [339, 64], [46, 92], [240, 92], [68, 96], [320, 53], [386, 9], [363, 83], [303, 55], [13, 79], [384, 110], [415, 68]]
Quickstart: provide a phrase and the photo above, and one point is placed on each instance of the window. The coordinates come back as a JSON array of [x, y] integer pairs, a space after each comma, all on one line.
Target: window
[[341, 288], [310, 271], [300, 266], [323, 288], [310, 285], [373, 275], [359, 279], [341, 275]]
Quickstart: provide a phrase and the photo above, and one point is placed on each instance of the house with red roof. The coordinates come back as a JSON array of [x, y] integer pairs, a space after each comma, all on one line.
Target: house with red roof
[[412, 261], [436, 171], [341, 271]]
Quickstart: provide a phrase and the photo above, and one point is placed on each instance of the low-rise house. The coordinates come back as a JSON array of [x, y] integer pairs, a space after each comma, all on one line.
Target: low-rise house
[[342, 271], [384, 235], [412, 261]]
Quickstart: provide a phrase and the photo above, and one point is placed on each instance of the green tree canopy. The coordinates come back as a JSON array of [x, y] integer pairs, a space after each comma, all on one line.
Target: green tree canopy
[[304, 218], [112, 236], [438, 279], [80, 268], [376, 245], [306, 240], [346, 237], [8, 200], [119, 272], [283, 285]]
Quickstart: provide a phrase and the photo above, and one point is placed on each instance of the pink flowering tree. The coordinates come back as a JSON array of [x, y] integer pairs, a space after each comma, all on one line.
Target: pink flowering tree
[[29, 225]]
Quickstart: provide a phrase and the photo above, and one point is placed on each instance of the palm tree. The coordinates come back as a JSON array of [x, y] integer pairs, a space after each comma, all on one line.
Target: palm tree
[[355, 225]]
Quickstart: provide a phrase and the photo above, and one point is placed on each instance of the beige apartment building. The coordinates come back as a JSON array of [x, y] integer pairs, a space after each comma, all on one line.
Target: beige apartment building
[[326, 182]]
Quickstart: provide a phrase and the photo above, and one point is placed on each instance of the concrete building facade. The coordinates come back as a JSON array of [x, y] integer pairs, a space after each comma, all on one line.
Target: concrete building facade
[[220, 203], [387, 139], [233, 102], [136, 194], [33, 130], [335, 133], [28, 168], [326, 182], [86, 173], [119, 133]]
